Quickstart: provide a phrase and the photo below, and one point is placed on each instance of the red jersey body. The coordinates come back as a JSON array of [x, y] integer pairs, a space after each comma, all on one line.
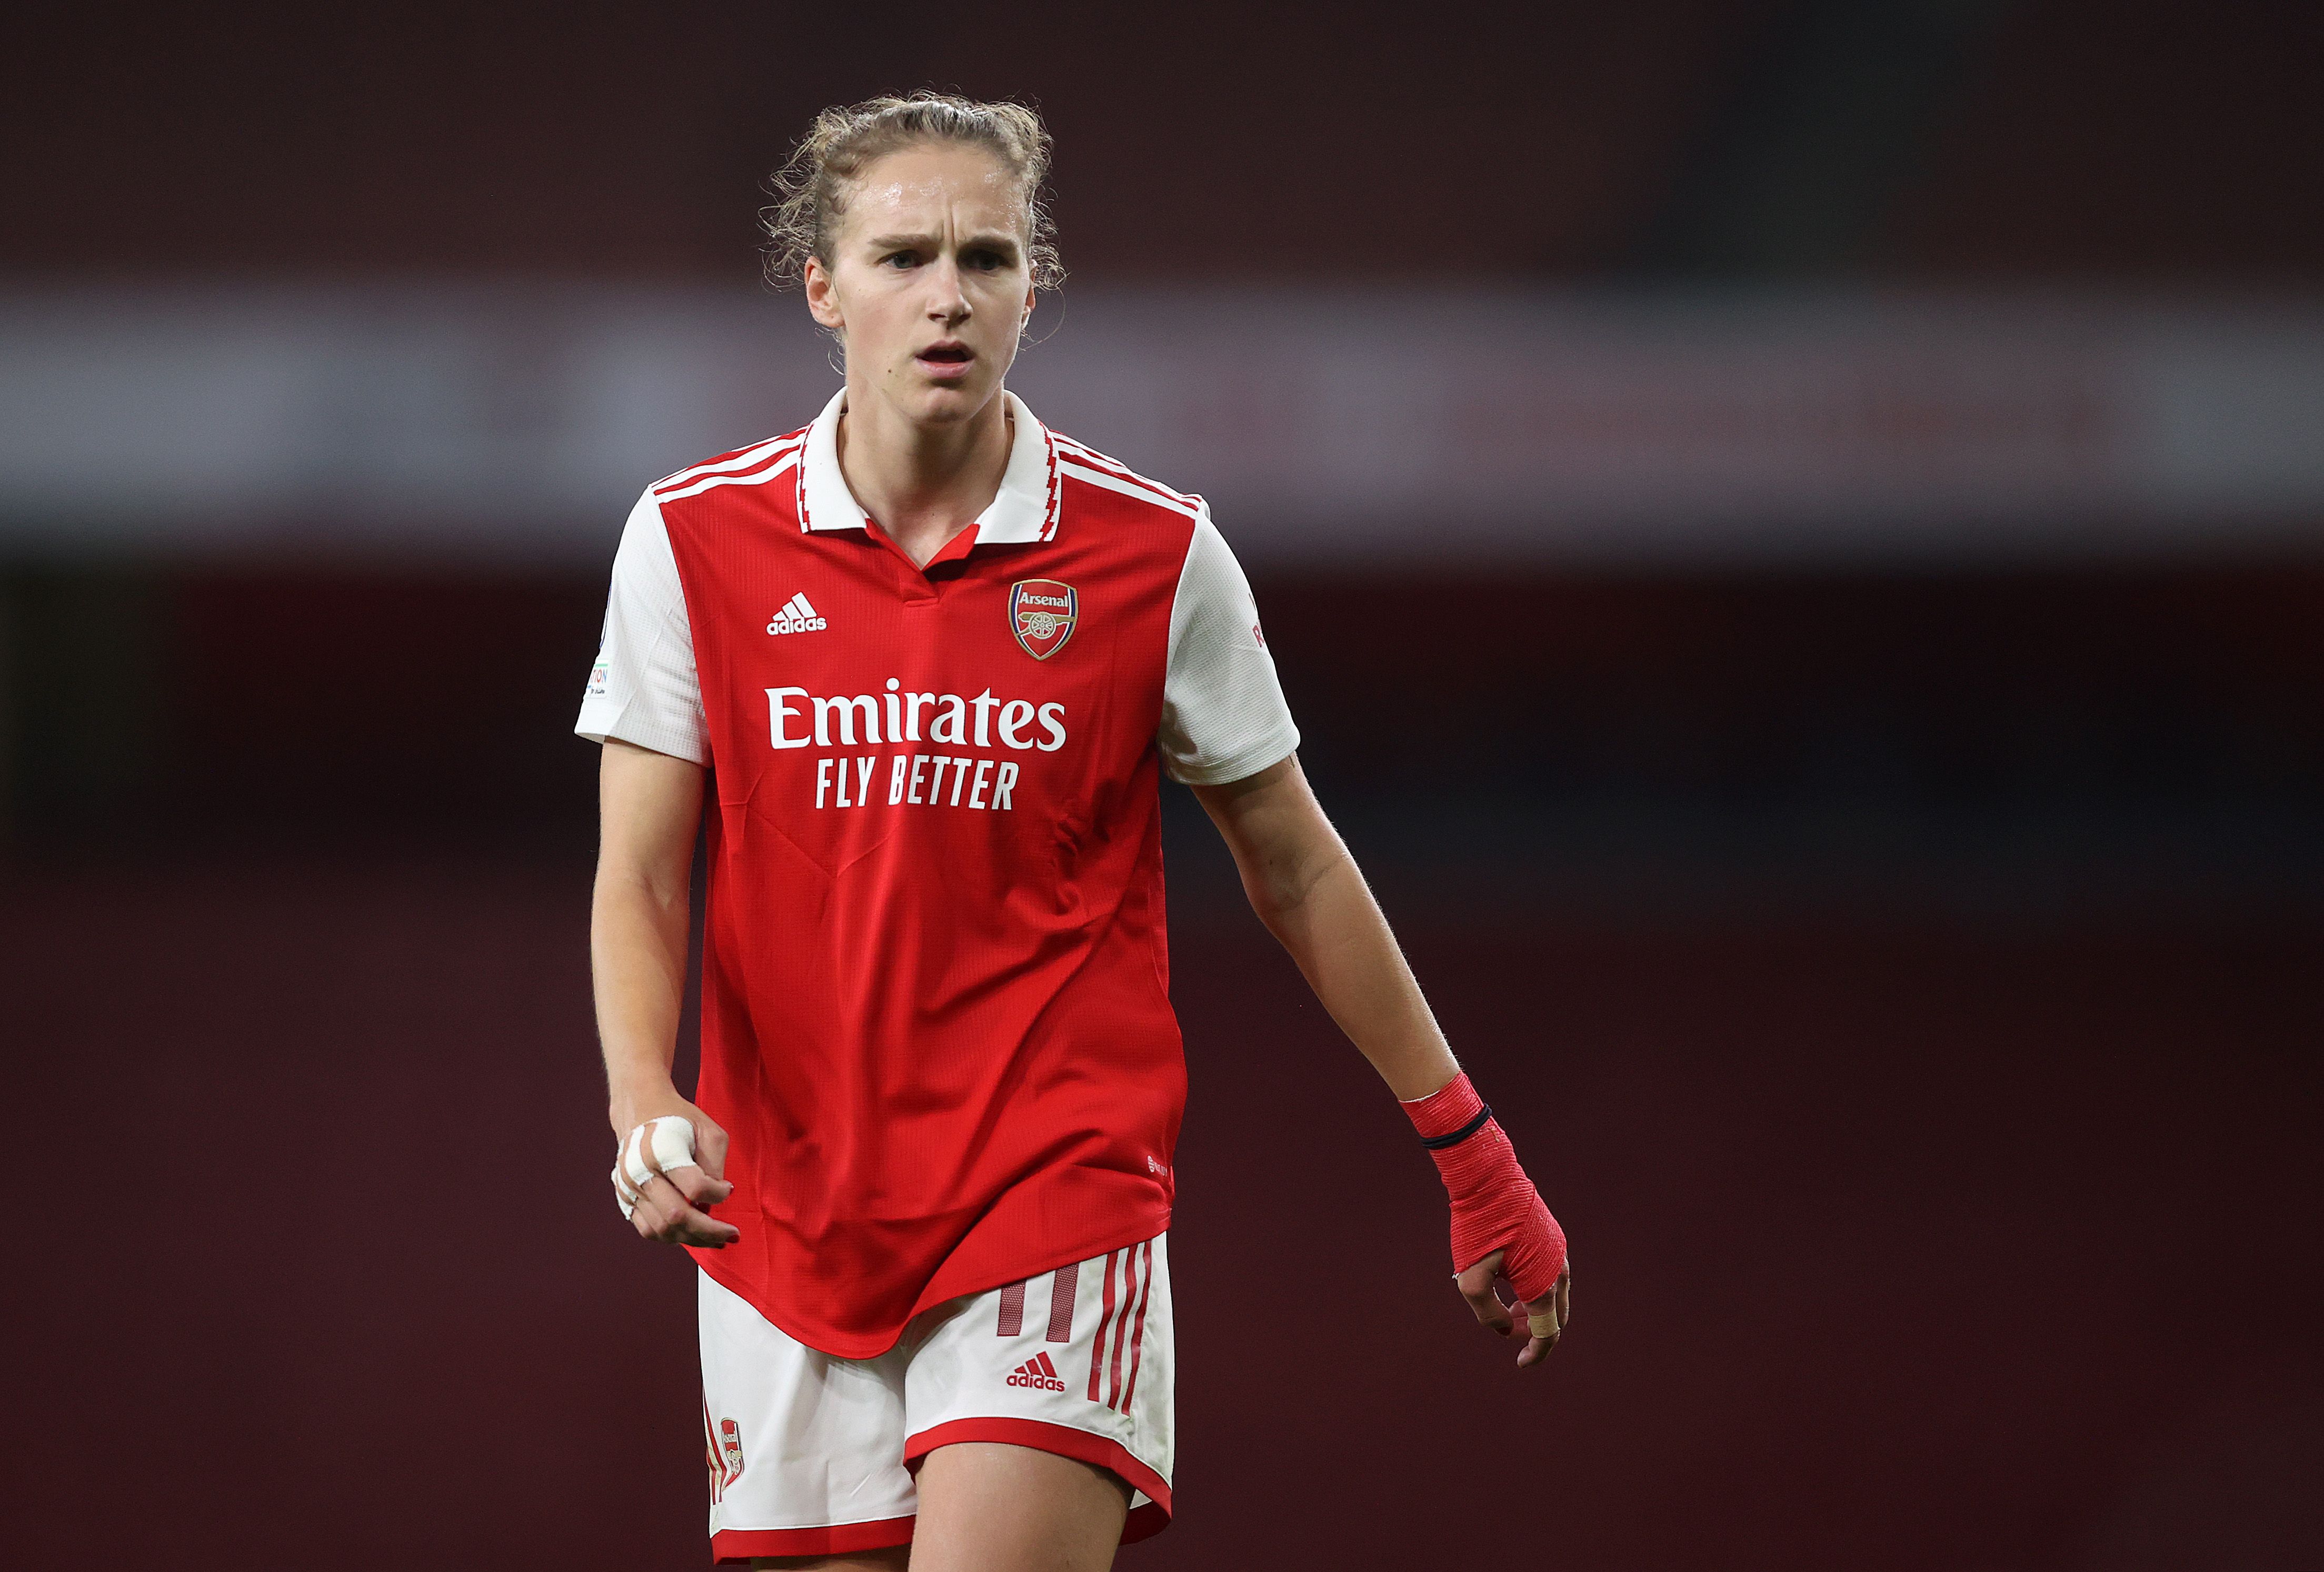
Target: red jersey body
[[936, 1017]]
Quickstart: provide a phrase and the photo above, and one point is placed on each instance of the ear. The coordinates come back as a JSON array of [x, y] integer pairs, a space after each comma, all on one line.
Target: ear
[[1032, 297], [822, 295]]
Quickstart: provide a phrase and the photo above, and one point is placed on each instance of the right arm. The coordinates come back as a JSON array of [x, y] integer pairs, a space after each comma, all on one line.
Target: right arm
[[650, 807]]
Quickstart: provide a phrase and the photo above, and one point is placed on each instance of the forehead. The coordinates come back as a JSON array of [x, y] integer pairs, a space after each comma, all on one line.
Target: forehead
[[937, 185]]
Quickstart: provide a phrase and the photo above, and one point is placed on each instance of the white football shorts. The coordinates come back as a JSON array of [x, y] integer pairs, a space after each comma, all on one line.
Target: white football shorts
[[813, 1456]]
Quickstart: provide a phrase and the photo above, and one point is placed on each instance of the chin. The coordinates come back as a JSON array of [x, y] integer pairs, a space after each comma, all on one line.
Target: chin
[[937, 403]]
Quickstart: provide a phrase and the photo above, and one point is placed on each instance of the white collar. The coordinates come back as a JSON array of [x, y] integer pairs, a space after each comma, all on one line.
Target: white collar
[[1024, 509]]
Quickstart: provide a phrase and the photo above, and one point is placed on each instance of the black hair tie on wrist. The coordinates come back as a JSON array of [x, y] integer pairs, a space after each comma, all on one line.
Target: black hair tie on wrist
[[1439, 1142]]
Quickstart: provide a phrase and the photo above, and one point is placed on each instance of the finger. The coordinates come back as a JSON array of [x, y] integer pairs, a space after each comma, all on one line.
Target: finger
[[634, 1165], [1540, 1332], [696, 1226], [668, 1145], [658, 1146], [646, 1218], [1545, 1321], [701, 1191], [707, 1232], [710, 1145], [661, 1204], [680, 1223], [1545, 1317], [1476, 1286], [624, 1192]]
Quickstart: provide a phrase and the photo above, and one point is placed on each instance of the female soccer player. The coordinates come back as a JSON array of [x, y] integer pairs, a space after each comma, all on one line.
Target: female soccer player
[[921, 663]]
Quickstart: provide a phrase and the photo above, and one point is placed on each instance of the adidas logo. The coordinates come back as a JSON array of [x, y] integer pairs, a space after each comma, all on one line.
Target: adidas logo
[[1036, 1372], [796, 617]]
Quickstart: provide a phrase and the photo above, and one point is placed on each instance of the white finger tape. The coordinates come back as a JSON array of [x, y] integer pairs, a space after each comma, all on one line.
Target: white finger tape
[[658, 1146]]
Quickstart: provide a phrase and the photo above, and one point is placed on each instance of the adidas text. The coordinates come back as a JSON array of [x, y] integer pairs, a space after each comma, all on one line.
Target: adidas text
[[1036, 1372], [797, 617]]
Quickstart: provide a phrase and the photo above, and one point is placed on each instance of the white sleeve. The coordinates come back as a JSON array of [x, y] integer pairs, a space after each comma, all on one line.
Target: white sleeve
[[643, 689], [1222, 712]]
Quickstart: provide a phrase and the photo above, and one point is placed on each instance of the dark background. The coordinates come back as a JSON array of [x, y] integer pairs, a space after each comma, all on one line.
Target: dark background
[[1904, 981]]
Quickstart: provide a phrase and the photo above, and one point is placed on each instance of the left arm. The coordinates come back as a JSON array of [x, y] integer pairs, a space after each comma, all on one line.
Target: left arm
[[1307, 889]]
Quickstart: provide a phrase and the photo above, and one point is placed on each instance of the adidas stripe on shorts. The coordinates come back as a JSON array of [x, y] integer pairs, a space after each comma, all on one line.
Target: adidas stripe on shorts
[[809, 1453]]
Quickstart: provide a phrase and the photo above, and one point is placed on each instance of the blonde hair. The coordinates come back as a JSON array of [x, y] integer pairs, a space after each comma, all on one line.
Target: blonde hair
[[814, 185]]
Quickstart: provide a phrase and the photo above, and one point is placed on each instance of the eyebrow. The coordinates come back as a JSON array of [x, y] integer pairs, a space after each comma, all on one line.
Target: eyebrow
[[998, 240]]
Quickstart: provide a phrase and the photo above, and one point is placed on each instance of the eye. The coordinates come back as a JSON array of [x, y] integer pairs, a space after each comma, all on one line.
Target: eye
[[900, 259]]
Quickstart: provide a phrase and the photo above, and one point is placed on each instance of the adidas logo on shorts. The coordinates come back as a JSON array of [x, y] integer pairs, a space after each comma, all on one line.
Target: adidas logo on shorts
[[796, 617], [1036, 1372]]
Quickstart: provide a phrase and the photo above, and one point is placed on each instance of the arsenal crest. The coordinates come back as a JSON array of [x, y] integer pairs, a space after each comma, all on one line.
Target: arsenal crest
[[730, 1436], [1042, 612]]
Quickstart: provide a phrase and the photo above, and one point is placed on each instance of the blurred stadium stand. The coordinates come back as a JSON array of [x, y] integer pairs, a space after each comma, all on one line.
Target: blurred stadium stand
[[1796, 533], [2146, 142]]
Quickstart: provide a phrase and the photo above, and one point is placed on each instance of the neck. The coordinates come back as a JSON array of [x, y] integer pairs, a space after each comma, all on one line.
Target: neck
[[923, 483]]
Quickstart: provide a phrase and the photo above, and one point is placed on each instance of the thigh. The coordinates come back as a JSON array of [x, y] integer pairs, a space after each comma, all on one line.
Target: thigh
[[890, 1560], [987, 1506], [806, 1450], [1075, 1364]]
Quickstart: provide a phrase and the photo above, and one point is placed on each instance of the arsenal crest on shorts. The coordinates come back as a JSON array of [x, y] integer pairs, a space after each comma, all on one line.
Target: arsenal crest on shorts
[[1042, 612]]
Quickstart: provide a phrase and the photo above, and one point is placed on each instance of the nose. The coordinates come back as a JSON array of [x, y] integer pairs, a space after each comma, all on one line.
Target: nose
[[947, 301]]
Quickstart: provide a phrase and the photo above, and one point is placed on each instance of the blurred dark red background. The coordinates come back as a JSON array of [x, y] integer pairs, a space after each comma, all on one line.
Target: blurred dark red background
[[1905, 976]]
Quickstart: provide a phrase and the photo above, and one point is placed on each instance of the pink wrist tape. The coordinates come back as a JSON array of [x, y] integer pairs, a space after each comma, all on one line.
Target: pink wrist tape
[[1495, 1205]]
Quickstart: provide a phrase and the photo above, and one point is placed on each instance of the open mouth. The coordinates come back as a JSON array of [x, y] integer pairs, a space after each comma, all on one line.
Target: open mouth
[[946, 359]]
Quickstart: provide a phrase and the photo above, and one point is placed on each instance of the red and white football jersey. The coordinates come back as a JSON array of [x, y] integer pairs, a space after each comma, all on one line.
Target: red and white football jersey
[[935, 1016]]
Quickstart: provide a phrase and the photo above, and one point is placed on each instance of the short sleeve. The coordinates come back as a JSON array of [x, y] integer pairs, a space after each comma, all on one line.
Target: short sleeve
[[643, 689], [1223, 716]]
